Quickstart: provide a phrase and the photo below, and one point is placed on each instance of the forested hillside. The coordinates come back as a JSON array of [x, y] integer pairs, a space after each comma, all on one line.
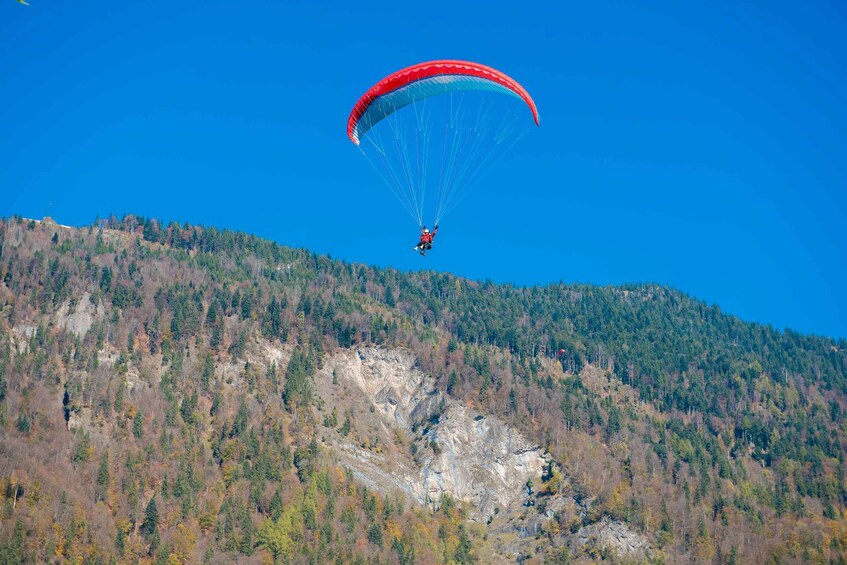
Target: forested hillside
[[139, 422]]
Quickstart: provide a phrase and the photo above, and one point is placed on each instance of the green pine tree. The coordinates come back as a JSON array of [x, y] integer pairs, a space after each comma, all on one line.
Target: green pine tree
[[102, 477], [138, 425], [151, 519]]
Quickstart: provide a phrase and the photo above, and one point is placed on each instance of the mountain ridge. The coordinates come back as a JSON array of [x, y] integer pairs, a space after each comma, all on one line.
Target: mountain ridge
[[710, 437]]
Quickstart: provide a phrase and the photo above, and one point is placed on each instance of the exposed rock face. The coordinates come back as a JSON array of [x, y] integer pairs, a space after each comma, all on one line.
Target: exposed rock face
[[78, 318], [472, 458], [388, 378], [79, 419], [374, 471], [21, 335], [469, 456], [478, 459], [614, 536]]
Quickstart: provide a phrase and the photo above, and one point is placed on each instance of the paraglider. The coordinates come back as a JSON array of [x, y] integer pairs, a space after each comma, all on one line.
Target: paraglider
[[425, 243], [435, 128]]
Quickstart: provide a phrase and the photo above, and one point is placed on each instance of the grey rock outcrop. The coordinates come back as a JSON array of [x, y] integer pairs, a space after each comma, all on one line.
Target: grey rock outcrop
[[473, 458], [477, 459], [614, 536], [78, 317], [388, 379], [21, 334]]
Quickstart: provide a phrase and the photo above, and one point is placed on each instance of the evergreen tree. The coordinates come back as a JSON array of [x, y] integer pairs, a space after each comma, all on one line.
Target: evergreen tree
[[463, 550], [103, 477], [138, 425], [275, 507], [120, 541], [119, 397], [151, 519], [23, 424], [375, 534], [12, 549], [208, 371]]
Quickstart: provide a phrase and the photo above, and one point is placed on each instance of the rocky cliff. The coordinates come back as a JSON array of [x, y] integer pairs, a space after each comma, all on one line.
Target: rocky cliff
[[431, 446], [408, 437]]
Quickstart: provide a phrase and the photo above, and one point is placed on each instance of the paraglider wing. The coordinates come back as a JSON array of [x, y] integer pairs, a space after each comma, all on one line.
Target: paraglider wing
[[423, 80]]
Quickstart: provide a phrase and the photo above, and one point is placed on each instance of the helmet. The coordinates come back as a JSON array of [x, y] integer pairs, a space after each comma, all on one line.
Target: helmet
[[426, 230]]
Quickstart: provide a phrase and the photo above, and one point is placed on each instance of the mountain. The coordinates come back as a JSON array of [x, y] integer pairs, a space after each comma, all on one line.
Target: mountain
[[183, 394]]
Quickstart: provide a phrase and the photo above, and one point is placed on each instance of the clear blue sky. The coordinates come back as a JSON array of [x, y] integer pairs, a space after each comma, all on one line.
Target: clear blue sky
[[701, 145]]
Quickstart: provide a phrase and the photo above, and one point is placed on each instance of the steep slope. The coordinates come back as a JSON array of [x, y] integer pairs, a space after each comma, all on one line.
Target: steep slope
[[217, 397], [457, 451]]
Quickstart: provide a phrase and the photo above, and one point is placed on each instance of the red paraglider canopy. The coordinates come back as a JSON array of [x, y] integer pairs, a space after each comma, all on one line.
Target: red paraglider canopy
[[429, 77]]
